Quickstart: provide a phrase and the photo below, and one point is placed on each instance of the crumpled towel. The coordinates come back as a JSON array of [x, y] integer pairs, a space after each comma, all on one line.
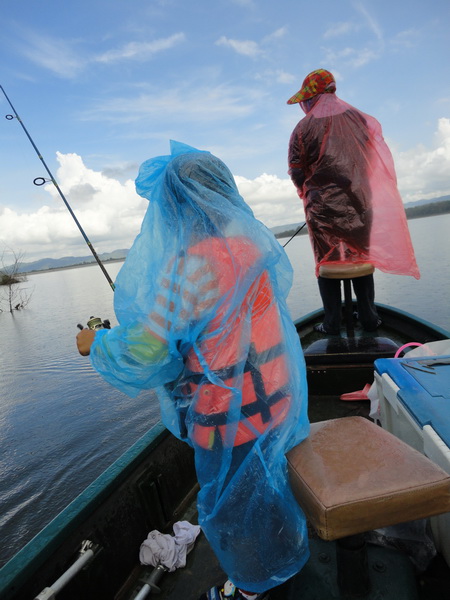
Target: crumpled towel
[[167, 550]]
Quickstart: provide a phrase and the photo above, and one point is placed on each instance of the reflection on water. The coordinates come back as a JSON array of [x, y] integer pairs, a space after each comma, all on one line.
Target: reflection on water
[[61, 425]]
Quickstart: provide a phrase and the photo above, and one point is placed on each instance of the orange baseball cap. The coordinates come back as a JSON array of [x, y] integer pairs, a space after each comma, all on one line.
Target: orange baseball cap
[[319, 81]]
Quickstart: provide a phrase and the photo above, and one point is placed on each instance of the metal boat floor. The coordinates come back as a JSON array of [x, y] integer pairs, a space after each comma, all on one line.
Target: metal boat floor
[[392, 576], [323, 408], [203, 570]]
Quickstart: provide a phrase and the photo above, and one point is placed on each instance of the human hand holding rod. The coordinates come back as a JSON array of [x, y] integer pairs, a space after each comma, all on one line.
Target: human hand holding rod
[[86, 336], [85, 340]]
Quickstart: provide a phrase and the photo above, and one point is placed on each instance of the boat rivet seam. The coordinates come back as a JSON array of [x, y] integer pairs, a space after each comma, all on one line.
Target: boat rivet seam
[[324, 558], [379, 566]]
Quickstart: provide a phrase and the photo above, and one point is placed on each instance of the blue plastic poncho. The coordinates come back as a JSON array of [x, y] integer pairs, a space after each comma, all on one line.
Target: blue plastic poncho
[[201, 303]]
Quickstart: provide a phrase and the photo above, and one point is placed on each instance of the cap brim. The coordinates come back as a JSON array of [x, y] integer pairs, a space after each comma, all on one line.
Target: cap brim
[[298, 97]]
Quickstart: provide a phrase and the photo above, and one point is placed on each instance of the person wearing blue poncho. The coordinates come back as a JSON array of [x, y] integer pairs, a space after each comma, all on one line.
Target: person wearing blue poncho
[[201, 307]]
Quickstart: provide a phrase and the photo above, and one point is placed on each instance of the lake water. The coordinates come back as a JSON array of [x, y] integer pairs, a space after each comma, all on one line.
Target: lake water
[[61, 425]]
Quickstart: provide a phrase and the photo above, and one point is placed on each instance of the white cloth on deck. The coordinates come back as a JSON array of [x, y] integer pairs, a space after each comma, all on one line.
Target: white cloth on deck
[[167, 550]]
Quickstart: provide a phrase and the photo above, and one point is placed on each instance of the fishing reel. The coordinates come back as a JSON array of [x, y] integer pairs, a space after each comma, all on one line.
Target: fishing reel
[[95, 323]]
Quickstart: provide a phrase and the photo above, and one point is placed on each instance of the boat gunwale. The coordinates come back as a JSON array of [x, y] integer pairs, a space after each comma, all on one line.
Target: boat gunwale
[[29, 558], [429, 327]]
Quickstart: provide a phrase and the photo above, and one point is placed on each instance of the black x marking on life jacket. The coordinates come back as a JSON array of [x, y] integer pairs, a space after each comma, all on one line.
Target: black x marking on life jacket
[[263, 402]]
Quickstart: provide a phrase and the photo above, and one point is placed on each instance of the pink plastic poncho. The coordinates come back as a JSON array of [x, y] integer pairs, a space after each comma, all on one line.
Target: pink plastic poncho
[[201, 303], [344, 173]]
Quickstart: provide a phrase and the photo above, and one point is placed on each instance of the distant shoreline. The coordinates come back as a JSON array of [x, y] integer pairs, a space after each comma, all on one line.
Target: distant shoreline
[[77, 266]]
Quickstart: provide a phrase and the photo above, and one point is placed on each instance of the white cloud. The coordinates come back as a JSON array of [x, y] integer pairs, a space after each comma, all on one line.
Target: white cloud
[[339, 29], [423, 173], [141, 50], [245, 3], [274, 201], [406, 39], [111, 212], [53, 54], [277, 75], [351, 57], [61, 57], [364, 56], [251, 48], [371, 22], [244, 47], [185, 103], [276, 35], [283, 77]]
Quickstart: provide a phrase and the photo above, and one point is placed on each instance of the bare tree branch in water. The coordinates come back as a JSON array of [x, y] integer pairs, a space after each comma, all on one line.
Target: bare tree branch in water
[[12, 292]]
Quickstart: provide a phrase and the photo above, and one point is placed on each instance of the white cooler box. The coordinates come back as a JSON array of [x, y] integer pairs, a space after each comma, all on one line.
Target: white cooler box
[[414, 396]]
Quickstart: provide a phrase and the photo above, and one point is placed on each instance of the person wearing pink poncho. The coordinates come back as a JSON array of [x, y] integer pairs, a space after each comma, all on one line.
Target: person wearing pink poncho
[[345, 175]]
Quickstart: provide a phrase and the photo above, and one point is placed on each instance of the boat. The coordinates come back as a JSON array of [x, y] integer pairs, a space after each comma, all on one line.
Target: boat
[[90, 551]]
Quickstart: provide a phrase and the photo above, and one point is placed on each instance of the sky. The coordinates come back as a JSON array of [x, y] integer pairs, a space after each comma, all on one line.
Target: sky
[[102, 86]]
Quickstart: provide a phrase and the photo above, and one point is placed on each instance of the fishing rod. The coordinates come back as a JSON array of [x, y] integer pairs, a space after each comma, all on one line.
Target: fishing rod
[[293, 236], [41, 180]]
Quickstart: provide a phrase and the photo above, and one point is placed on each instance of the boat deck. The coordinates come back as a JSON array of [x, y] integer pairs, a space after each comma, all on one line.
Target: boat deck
[[202, 570], [154, 485], [335, 361]]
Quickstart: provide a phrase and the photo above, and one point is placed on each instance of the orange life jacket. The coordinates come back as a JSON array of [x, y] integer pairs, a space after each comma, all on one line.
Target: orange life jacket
[[247, 362]]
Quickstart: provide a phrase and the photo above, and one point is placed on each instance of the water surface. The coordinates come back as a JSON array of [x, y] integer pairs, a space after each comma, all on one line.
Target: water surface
[[61, 425]]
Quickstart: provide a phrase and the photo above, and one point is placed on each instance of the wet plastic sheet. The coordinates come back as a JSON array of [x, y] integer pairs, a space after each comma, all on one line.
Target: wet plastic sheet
[[201, 306], [345, 175]]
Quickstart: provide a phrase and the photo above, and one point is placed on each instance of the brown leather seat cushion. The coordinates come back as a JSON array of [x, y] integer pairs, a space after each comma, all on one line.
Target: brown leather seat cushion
[[352, 476]]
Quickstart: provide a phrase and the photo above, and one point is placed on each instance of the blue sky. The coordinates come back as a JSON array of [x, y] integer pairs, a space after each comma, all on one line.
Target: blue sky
[[104, 85]]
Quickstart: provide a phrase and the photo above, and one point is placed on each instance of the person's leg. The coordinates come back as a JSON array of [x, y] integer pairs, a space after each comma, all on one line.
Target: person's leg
[[364, 288], [253, 509], [227, 591], [330, 292]]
